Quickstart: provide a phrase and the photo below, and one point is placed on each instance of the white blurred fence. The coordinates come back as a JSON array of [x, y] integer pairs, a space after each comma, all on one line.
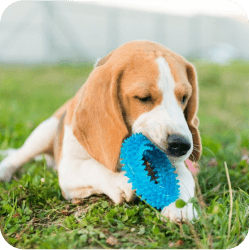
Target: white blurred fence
[[53, 32]]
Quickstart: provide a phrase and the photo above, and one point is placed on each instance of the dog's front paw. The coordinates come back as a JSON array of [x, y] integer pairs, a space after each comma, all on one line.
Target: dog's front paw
[[179, 214], [118, 188]]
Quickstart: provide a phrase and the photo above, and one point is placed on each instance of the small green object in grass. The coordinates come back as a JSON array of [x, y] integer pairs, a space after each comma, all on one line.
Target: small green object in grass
[[180, 203]]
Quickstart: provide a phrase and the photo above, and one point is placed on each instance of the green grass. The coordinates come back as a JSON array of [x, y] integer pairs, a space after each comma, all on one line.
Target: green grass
[[35, 215]]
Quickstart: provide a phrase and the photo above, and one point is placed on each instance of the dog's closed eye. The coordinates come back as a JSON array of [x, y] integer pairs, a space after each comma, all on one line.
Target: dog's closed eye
[[144, 99]]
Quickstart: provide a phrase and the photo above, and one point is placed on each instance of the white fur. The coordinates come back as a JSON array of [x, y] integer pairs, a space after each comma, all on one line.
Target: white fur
[[80, 175], [187, 191], [165, 119], [37, 143]]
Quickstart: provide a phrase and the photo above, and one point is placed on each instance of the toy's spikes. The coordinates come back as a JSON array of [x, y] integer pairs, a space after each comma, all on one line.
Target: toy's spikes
[[159, 195]]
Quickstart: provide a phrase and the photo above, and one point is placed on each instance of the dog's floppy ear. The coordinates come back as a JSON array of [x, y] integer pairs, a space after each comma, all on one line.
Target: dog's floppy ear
[[98, 122], [190, 113]]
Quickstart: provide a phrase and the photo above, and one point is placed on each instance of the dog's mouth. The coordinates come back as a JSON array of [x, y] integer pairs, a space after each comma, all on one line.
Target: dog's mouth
[[151, 171]]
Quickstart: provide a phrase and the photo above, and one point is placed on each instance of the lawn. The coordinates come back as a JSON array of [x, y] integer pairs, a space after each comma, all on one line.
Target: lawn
[[35, 215]]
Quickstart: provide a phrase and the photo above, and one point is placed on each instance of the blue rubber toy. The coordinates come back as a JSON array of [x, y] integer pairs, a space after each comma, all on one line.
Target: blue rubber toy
[[165, 189]]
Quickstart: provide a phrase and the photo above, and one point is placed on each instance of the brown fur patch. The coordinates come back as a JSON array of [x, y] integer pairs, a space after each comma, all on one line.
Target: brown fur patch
[[58, 142], [58, 113]]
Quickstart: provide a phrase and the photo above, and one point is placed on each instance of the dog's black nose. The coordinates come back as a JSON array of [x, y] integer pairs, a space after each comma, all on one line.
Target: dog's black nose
[[177, 145]]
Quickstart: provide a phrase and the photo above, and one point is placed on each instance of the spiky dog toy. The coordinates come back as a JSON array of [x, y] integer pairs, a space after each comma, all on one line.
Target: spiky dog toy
[[159, 193]]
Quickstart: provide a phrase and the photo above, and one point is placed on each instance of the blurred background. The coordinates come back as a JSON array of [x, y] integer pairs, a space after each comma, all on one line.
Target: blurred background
[[54, 32]]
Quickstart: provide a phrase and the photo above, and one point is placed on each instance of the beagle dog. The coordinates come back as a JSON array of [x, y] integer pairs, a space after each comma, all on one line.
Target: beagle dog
[[141, 87]]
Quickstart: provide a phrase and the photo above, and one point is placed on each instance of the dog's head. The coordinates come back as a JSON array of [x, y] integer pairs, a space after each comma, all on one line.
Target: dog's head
[[139, 87]]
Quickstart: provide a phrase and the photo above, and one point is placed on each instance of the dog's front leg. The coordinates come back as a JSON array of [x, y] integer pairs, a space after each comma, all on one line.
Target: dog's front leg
[[80, 175], [82, 178], [187, 190]]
